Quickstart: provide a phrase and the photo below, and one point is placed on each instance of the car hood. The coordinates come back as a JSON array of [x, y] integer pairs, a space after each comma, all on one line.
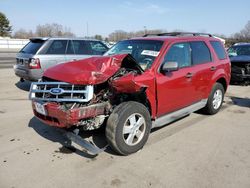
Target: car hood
[[242, 58], [90, 71]]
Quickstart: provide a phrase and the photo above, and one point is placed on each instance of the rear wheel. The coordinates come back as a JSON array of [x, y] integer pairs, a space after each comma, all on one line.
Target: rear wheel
[[215, 99], [128, 127]]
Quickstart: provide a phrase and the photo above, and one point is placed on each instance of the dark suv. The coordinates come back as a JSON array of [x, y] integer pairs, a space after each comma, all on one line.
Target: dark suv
[[139, 84], [239, 55]]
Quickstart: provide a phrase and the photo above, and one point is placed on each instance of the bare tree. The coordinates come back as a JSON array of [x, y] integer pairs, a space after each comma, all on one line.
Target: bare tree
[[120, 34], [23, 34], [244, 33], [53, 30]]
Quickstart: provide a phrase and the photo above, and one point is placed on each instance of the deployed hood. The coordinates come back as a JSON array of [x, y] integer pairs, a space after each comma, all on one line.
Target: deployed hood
[[91, 71]]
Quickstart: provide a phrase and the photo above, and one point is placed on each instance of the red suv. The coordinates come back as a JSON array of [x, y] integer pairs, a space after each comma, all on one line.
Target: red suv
[[139, 84]]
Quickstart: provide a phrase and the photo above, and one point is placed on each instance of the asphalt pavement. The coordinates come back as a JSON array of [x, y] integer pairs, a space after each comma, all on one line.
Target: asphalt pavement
[[7, 59]]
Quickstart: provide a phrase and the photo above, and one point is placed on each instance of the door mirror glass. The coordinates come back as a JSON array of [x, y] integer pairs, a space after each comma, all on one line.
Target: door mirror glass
[[170, 66]]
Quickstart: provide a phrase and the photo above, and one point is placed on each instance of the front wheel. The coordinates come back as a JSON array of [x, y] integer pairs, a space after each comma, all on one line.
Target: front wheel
[[128, 127], [215, 99]]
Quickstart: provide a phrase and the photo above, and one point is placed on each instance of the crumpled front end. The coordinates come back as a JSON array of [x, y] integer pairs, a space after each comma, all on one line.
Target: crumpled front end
[[72, 94], [55, 115], [240, 72]]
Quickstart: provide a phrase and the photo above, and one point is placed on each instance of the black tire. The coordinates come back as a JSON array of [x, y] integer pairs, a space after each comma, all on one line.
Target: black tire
[[115, 134], [210, 108]]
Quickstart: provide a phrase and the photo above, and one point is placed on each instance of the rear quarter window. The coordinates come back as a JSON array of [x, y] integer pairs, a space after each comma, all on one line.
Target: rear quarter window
[[219, 49], [97, 48]]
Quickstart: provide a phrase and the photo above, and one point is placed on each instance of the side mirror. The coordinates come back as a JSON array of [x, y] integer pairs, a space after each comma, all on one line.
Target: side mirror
[[170, 66]]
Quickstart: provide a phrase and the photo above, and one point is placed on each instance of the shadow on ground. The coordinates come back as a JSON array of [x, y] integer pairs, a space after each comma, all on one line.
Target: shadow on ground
[[242, 102], [25, 86], [54, 134]]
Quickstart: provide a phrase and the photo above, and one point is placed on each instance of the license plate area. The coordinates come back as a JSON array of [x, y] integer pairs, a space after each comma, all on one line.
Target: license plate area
[[40, 108]]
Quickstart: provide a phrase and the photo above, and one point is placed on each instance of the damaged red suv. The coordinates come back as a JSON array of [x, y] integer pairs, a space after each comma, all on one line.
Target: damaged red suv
[[139, 84]]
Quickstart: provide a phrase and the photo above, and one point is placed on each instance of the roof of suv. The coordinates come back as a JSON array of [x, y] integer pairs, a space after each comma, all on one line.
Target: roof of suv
[[178, 35]]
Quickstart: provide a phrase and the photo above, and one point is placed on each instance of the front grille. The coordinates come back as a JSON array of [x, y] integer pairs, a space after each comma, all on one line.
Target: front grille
[[245, 66], [60, 92]]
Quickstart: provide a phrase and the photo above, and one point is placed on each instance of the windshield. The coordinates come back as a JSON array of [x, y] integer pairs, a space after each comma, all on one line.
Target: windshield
[[239, 50], [143, 51], [32, 47]]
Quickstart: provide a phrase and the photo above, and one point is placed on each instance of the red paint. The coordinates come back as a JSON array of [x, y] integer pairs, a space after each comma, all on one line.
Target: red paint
[[90, 71]]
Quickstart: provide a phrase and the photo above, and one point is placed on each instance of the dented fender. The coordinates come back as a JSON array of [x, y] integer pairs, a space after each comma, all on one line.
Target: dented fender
[[132, 83], [127, 84]]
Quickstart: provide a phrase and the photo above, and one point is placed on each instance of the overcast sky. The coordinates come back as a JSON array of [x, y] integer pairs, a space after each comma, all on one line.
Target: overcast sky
[[105, 16]]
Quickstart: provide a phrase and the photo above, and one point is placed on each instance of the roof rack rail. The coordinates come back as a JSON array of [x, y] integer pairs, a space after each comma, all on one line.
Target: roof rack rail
[[179, 34]]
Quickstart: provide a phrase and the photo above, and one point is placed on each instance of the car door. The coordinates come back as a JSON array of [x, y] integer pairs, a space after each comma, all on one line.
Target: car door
[[70, 52], [175, 89], [203, 68], [77, 50], [53, 53]]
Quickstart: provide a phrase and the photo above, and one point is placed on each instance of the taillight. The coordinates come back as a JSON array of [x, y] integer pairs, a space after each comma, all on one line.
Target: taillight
[[34, 63]]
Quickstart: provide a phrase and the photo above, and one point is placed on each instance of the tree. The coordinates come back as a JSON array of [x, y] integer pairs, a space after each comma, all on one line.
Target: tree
[[120, 35], [53, 30], [23, 34], [244, 33], [5, 28], [98, 37]]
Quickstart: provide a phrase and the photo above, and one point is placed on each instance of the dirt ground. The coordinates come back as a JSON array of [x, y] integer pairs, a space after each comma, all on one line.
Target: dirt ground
[[196, 151]]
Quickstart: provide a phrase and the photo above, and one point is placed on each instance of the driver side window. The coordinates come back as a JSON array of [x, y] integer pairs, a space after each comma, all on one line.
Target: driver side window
[[180, 53]]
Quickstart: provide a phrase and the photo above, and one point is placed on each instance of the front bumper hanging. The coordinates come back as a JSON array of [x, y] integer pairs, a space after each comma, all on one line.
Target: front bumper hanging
[[74, 137]]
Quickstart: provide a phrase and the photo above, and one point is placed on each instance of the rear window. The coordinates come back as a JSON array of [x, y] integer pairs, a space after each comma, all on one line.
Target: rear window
[[219, 49], [200, 53], [32, 47]]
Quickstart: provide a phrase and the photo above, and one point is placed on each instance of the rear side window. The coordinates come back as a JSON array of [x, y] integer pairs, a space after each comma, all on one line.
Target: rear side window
[[78, 47], [32, 47], [179, 53], [219, 49], [200, 53], [81, 47], [57, 47]]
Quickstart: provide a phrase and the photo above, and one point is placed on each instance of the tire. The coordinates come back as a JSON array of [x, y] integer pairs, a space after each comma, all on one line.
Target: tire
[[128, 127], [215, 99]]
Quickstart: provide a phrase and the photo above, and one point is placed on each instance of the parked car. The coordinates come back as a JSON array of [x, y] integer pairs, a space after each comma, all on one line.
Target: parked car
[[239, 55], [41, 53], [139, 84]]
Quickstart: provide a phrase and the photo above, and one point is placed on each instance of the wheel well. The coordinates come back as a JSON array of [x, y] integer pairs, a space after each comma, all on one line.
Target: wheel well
[[140, 97], [223, 82]]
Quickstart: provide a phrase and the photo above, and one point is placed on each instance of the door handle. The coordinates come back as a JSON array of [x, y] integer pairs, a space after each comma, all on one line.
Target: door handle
[[212, 68], [189, 75]]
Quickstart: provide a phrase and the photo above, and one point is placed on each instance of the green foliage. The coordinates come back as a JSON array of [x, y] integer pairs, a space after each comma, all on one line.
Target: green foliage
[[5, 28]]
